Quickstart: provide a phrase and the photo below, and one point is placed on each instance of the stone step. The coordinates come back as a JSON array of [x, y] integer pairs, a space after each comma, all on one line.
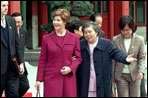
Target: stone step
[[32, 57]]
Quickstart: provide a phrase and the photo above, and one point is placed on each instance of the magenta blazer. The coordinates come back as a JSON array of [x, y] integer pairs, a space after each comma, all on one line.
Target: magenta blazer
[[52, 58]]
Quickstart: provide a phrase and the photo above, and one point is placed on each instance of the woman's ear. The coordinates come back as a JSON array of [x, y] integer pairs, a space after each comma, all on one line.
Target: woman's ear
[[75, 31]]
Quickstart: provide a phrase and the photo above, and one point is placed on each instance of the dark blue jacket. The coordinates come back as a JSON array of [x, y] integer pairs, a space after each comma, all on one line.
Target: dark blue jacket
[[14, 45], [103, 55]]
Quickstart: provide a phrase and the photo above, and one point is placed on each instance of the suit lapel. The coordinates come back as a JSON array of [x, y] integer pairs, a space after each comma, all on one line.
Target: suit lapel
[[22, 34], [3, 39], [8, 21], [54, 38], [121, 43], [87, 48], [66, 38], [132, 44], [122, 46]]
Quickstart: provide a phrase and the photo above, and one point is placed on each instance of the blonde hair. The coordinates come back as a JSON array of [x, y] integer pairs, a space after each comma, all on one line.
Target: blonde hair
[[64, 14]]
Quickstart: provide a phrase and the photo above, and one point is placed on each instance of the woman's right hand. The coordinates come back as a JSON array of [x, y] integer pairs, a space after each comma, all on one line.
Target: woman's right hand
[[37, 85]]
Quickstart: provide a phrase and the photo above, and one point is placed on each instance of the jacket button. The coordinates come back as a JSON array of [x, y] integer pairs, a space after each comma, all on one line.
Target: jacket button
[[95, 61], [96, 74]]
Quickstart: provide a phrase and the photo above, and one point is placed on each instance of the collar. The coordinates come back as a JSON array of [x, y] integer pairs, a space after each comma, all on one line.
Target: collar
[[63, 34], [3, 17], [95, 44], [101, 44]]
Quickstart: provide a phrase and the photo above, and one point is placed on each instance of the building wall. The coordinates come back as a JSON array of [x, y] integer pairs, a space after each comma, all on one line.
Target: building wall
[[121, 8], [35, 24], [142, 32], [14, 6], [37, 14]]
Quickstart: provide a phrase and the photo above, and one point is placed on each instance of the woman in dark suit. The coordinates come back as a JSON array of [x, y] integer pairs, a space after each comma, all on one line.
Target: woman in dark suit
[[94, 74], [56, 67]]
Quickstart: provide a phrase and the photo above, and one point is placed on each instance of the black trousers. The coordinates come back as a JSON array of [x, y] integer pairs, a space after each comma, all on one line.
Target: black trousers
[[23, 85], [12, 85], [10, 81], [3, 81]]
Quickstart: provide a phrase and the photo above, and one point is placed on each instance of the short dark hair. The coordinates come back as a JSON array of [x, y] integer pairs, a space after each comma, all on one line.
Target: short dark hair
[[89, 24], [75, 25], [93, 17], [127, 20], [16, 14]]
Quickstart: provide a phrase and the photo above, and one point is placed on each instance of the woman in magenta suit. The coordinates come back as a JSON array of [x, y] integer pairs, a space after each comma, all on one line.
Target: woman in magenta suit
[[56, 67]]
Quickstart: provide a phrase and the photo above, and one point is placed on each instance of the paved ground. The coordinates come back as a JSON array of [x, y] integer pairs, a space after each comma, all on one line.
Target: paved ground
[[32, 70]]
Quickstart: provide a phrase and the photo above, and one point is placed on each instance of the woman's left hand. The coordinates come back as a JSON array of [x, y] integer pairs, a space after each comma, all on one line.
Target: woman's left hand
[[65, 70]]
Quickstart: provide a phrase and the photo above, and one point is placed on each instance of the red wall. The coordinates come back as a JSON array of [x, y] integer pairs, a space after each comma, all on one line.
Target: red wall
[[116, 9], [14, 6], [105, 25], [110, 20], [121, 8], [42, 19]]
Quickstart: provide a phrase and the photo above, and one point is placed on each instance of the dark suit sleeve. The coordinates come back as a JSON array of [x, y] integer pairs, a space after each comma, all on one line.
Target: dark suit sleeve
[[18, 47], [101, 34], [25, 33], [23, 38], [116, 54]]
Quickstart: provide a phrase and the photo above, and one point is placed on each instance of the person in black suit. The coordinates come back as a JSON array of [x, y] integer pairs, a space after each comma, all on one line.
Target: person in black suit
[[97, 19], [76, 28], [10, 48], [23, 81]]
